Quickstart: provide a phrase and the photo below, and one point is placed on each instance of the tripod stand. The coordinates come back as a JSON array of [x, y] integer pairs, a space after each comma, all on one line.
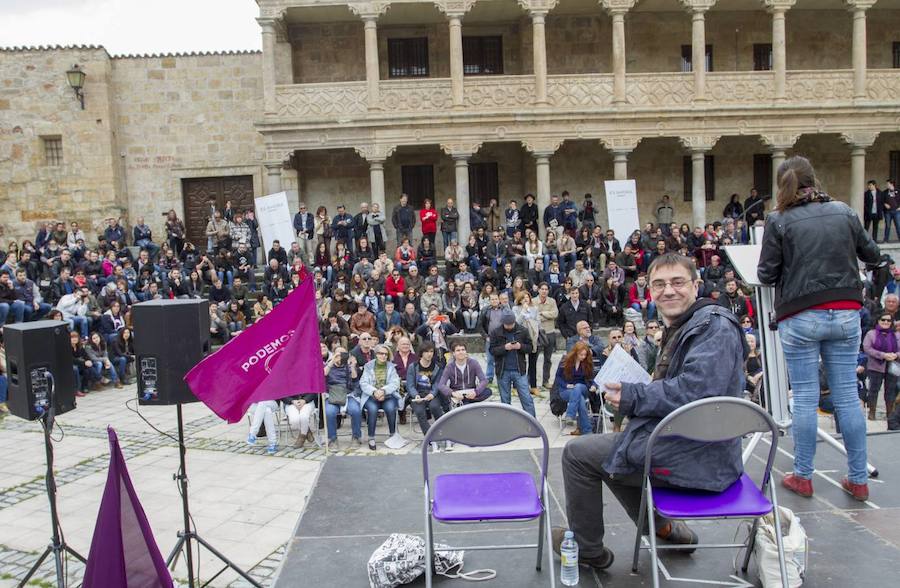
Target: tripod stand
[[57, 545], [187, 535]]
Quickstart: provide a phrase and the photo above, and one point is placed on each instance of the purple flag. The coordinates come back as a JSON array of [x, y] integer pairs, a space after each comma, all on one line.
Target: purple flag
[[277, 356], [123, 552]]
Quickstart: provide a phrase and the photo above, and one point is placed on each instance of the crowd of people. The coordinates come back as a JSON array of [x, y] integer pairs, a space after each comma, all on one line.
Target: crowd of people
[[523, 279]]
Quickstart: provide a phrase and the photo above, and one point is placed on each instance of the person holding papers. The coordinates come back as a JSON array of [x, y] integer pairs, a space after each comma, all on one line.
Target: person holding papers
[[701, 355]]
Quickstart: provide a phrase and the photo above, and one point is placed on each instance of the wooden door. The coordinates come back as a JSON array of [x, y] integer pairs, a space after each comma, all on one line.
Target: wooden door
[[199, 193]]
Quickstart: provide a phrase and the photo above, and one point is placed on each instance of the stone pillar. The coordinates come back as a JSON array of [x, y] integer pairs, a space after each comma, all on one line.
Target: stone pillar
[[540, 56], [456, 60], [859, 7], [778, 157], [372, 74], [858, 142], [698, 54], [778, 8], [699, 146], [461, 153], [376, 155], [620, 165], [778, 144], [542, 150], [621, 148], [273, 176], [618, 8], [268, 26]]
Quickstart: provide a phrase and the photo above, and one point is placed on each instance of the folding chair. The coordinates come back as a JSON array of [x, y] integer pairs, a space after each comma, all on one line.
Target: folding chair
[[711, 420], [493, 497]]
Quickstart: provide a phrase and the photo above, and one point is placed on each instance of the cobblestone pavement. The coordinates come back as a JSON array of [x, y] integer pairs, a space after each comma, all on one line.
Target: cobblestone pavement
[[243, 502]]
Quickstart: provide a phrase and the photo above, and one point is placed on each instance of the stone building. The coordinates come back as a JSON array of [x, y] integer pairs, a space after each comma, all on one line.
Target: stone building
[[359, 101]]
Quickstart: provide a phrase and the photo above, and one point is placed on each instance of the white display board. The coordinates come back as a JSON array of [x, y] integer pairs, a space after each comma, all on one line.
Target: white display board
[[621, 207], [275, 220]]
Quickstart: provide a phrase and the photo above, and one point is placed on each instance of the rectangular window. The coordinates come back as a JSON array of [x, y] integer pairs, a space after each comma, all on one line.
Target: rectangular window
[[53, 151], [762, 57], [762, 173], [418, 183], [896, 53], [689, 178], [482, 55], [408, 58], [484, 182], [895, 165], [687, 58]]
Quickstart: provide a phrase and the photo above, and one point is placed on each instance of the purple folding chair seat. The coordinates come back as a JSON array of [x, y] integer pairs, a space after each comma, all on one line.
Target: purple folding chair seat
[[741, 499], [478, 497]]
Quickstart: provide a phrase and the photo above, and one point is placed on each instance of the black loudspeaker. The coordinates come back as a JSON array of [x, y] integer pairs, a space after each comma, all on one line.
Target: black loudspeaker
[[38, 364], [170, 337]]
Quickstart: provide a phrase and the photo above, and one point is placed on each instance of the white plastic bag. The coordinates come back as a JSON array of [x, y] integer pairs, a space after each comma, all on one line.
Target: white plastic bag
[[796, 548]]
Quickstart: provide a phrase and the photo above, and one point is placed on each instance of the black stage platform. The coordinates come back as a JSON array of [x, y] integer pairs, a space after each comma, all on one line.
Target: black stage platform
[[358, 501]]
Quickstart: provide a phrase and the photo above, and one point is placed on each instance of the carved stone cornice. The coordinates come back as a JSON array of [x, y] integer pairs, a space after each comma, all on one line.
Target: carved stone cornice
[[863, 139], [538, 7], [617, 6], [544, 147], [461, 150], [375, 152], [274, 25], [698, 5], [454, 8], [369, 10], [699, 142], [273, 8], [620, 144], [779, 141], [779, 5], [854, 5]]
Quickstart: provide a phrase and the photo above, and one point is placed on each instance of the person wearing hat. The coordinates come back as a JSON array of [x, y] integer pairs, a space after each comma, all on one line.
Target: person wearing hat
[[510, 344]]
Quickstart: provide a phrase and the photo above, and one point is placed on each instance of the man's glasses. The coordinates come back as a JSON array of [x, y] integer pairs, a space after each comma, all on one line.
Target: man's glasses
[[677, 284]]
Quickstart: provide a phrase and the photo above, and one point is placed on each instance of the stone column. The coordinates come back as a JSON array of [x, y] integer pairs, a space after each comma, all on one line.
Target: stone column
[[618, 8], [778, 144], [540, 56], [859, 7], [778, 157], [456, 59], [461, 153], [376, 155], [621, 148], [699, 146], [372, 74], [542, 150], [858, 142], [778, 8], [268, 26], [273, 176], [698, 53]]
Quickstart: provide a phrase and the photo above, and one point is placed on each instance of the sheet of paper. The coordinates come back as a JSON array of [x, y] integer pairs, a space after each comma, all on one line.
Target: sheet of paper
[[621, 367]]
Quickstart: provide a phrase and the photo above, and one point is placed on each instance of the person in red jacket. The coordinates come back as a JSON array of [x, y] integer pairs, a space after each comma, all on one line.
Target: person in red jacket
[[639, 297], [429, 216], [405, 256], [395, 285]]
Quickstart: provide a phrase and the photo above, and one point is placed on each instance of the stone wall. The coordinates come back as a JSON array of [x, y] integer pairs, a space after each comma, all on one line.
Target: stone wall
[[184, 117], [36, 102]]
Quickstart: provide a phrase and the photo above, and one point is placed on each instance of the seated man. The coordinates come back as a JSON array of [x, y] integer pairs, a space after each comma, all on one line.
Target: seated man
[[702, 355], [586, 336], [463, 380]]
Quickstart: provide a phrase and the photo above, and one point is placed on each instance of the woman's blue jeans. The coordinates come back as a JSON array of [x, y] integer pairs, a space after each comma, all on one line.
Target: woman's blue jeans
[[354, 411], [331, 413], [577, 406], [389, 405], [834, 335]]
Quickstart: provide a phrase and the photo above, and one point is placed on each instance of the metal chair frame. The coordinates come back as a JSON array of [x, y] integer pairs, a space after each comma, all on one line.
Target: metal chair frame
[[716, 419], [494, 426]]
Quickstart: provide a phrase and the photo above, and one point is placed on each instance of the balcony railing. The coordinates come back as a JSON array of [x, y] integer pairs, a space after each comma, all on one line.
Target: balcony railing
[[431, 96]]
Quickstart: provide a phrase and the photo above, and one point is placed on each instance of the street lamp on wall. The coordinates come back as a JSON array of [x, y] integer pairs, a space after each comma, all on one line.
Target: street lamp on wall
[[76, 76]]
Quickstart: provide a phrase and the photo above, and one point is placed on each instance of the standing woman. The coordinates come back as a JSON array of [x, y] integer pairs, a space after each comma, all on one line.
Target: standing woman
[[810, 254], [375, 219], [881, 345], [175, 232], [428, 215], [528, 315], [322, 224]]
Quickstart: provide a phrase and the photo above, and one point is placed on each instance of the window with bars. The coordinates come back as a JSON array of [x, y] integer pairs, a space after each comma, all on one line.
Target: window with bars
[[484, 182], [687, 58], [896, 53], [482, 55], [689, 178], [762, 173], [408, 58], [53, 151], [762, 57], [417, 182]]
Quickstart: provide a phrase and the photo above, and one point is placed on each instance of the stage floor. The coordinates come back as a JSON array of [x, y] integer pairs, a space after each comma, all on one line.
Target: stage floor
[[358, 501]]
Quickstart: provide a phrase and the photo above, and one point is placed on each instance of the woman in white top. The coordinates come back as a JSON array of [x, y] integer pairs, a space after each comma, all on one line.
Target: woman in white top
[[529, 317], [534, 249]]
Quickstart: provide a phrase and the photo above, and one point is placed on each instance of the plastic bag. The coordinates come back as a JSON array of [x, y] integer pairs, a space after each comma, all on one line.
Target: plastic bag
[[796, 548]]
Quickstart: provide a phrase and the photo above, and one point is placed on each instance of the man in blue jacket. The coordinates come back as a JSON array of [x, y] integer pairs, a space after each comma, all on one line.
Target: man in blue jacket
[[701, 355]]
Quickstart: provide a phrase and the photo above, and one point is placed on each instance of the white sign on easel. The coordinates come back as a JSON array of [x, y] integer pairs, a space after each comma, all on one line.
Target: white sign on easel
[[275, 220], [621, 206]]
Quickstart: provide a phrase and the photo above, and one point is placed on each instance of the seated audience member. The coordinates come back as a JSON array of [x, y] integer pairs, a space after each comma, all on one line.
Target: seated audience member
[[298, 409], [640, 299], [264, 412], [571, 312], [463, 380], [363, 321], [437, 330], [234, 318], [574, 379], [696, 331], [217, 325], [112, 321], [100, 360], [585, 335], [422, 378], [379, 388], [81, 364], [122, 347], [341, 376]]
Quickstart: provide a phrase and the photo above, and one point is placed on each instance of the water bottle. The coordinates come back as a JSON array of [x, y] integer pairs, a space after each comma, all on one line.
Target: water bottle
[[568, 555]]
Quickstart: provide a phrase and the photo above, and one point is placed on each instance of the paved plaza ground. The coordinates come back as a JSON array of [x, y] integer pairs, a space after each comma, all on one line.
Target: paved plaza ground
[[244, 502]]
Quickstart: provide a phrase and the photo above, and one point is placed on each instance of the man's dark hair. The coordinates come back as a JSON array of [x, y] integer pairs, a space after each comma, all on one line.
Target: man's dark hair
[[458, 345], [669, 259], [426, 346]]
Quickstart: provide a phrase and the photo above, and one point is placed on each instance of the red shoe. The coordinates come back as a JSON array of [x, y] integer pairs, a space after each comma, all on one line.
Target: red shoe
[[798, 485], [858, 491]]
